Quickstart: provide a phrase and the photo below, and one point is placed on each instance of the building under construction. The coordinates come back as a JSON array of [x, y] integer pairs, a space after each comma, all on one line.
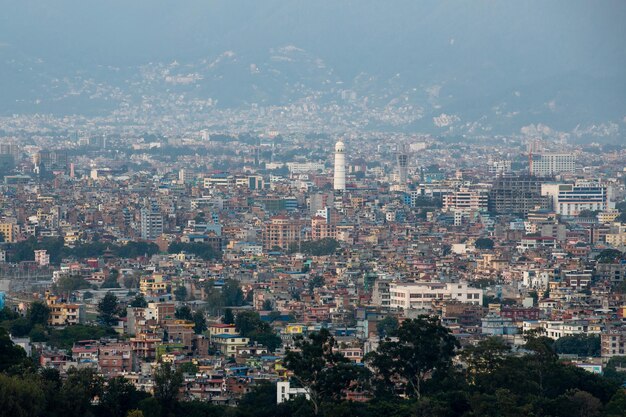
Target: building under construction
[[517, 195]]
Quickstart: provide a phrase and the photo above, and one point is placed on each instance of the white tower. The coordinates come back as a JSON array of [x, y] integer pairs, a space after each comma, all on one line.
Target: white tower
[[340, 167]]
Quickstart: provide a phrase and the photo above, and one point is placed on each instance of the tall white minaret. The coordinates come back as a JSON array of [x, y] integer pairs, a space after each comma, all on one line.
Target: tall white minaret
[[340, 167]]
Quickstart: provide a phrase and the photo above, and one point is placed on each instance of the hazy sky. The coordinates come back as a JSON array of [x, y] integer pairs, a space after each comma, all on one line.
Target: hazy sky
[[586, 36]]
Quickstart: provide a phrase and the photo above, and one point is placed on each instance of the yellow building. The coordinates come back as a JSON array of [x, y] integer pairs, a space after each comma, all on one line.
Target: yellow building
[[71, 237], [154, 284], [219, 328], [64, 314], [607, 216], [9, 231], [293, 329], [228, 344], [616, 239]]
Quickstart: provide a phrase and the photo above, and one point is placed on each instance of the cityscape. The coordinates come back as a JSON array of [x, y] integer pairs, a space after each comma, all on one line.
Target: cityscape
[[173, 244]]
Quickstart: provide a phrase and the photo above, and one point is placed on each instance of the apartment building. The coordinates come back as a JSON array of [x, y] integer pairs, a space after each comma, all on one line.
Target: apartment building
[[423, 294]]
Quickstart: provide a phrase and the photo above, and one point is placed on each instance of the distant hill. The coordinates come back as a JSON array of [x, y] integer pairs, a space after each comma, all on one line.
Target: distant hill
[[471, 64]]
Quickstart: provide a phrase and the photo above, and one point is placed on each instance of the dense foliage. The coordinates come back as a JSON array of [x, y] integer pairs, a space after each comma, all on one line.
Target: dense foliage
[[202, 250], [415, 376], [24, 250], [249, 324], [322, 247], [484, 243]]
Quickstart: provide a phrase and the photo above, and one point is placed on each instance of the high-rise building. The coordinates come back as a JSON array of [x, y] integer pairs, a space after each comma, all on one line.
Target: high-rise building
[[340, 167], [280, 232], [52, 160], [10, 148], [402, 160], [151, 223], [548, 164], [517, 195], [8, 231], [571, 199], [465, 200]]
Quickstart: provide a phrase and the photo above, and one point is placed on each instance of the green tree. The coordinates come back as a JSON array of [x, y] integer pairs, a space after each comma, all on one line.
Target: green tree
[[111, 282], [167, 381], [232, 294], [485, 358], [611, 369], [199, 322], [7, 314], [387, 326], [20, 397], [608, 256], [322, 247], [423, 346], [20, 327], [79, 390], [10, 354], [229, 317], [202, 250], [617, 405], [119, 397], [316, 282], [249, 324], [108, 309], [183, 313], [484, 243], [131, 281], [323, 372], [188, 368], [581, 345], [180, 293], [38, 313], [139, 301], [267, 305], [66, 337], [72, 283]]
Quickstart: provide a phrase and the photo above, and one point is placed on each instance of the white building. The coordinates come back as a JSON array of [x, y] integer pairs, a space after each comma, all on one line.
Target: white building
[[304, 167], [546, 165], [42, 258], [421, 294], [284, 392], [571, 199], [466, 200], [555, 329], [499, 167], [151, 224]]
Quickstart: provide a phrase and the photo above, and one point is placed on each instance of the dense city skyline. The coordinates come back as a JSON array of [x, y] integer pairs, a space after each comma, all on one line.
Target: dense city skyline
[[347, 208]]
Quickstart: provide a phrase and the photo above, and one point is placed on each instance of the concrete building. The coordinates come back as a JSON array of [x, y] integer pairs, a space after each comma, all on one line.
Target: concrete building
[[423, 294], [9, 232], [545, 165], [466, 200], [571, 199], [151, 223], [64, 314], [42, 258], [495, 325], [517, 195], [613, 342], [284, 392], [280, 232]]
